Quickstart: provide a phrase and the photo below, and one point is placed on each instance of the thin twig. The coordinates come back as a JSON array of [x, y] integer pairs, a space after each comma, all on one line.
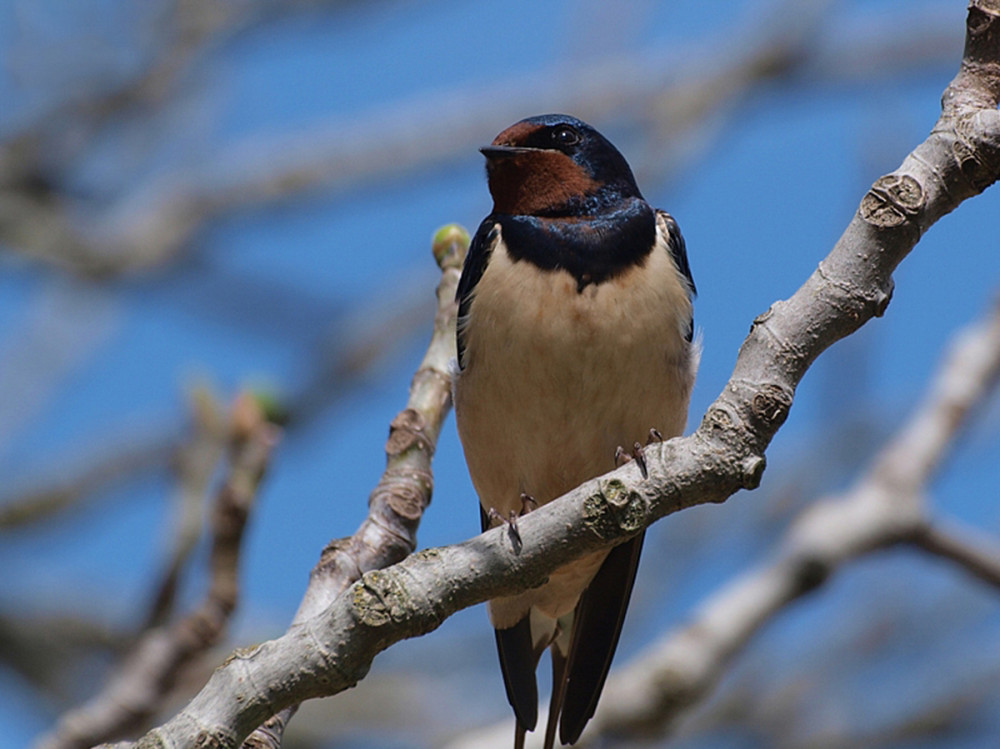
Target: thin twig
[[195, 463]]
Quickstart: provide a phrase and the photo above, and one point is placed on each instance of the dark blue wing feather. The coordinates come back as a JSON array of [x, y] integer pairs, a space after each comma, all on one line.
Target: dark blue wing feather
[[678, 251], [475, 264]]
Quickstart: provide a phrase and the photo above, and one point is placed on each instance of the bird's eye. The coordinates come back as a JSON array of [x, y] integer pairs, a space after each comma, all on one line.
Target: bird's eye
[[565, 136]]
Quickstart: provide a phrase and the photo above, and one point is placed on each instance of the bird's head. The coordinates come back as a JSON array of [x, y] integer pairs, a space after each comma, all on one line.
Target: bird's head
[[555, 165]]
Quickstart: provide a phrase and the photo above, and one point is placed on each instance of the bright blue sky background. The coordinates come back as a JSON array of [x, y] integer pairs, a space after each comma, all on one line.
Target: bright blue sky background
[[761, 194]]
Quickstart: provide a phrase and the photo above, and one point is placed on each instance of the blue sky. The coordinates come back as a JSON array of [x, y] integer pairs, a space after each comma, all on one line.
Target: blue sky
[[761, 189]]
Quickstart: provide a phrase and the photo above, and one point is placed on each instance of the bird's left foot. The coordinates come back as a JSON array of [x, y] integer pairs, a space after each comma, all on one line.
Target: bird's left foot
[[638, 454], [527, 499], [511, 520]]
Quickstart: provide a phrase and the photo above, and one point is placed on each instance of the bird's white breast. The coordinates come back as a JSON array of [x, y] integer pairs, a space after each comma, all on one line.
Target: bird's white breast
[[555, 379]]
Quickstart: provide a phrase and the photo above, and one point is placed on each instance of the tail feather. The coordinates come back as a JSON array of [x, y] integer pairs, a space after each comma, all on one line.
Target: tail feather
[[596, 627], [519, 733], [559, 674], [518, 662]]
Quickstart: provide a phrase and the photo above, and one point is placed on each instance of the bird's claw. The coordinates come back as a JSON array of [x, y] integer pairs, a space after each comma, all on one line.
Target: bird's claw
[[654, 436], [527, 499], [511, 520], [621, 457], [638, 454]]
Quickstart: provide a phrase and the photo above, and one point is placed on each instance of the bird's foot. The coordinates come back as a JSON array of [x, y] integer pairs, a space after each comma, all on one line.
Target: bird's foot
[[511, 520], [654, 436], [638, 454], [526, 500]]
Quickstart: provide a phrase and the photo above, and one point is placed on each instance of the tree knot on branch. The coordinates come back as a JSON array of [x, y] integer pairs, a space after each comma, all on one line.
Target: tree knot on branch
[[614, 510], [979, 15], [242, 654], [406, 491], [810, 572], [217, 739], [893, 199], [770, 406], [380, 599], [983, 16], [722, 423], [977, 154], [151, 740], [751, 471], [338, 559], [407, 431]]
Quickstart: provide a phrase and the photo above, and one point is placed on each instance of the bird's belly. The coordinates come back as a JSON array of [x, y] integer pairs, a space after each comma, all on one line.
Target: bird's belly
[[555, 380]]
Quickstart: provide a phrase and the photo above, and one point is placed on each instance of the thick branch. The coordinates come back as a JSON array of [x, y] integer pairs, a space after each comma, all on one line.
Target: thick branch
[[333, 650], [883, 508]]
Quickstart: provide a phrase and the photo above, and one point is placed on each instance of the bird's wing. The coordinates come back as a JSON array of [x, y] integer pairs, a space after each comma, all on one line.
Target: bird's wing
[[678, 252], [678, 249], [517, 662], [475, 264], [596, 627]]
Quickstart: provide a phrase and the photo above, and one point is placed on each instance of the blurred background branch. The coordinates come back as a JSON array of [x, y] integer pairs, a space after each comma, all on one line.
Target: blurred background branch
[[143, 683], [674, 98]]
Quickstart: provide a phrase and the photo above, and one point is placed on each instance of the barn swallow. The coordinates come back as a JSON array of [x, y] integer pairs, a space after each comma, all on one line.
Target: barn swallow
[[574, 338]]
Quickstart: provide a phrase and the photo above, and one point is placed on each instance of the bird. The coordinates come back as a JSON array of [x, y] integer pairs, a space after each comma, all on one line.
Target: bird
[[575, 337]]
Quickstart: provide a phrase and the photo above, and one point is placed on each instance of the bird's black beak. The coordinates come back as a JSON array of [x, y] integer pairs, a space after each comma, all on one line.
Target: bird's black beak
[[501, 152]]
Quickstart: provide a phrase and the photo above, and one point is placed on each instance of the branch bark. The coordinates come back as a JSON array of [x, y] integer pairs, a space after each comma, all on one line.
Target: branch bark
[[333, 649], [974, 552]]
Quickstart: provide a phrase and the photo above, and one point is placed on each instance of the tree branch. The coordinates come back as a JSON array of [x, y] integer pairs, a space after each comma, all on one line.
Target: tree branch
[[195, 464], [396, 505], [886, 506], [333, 649], [974, 552]]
